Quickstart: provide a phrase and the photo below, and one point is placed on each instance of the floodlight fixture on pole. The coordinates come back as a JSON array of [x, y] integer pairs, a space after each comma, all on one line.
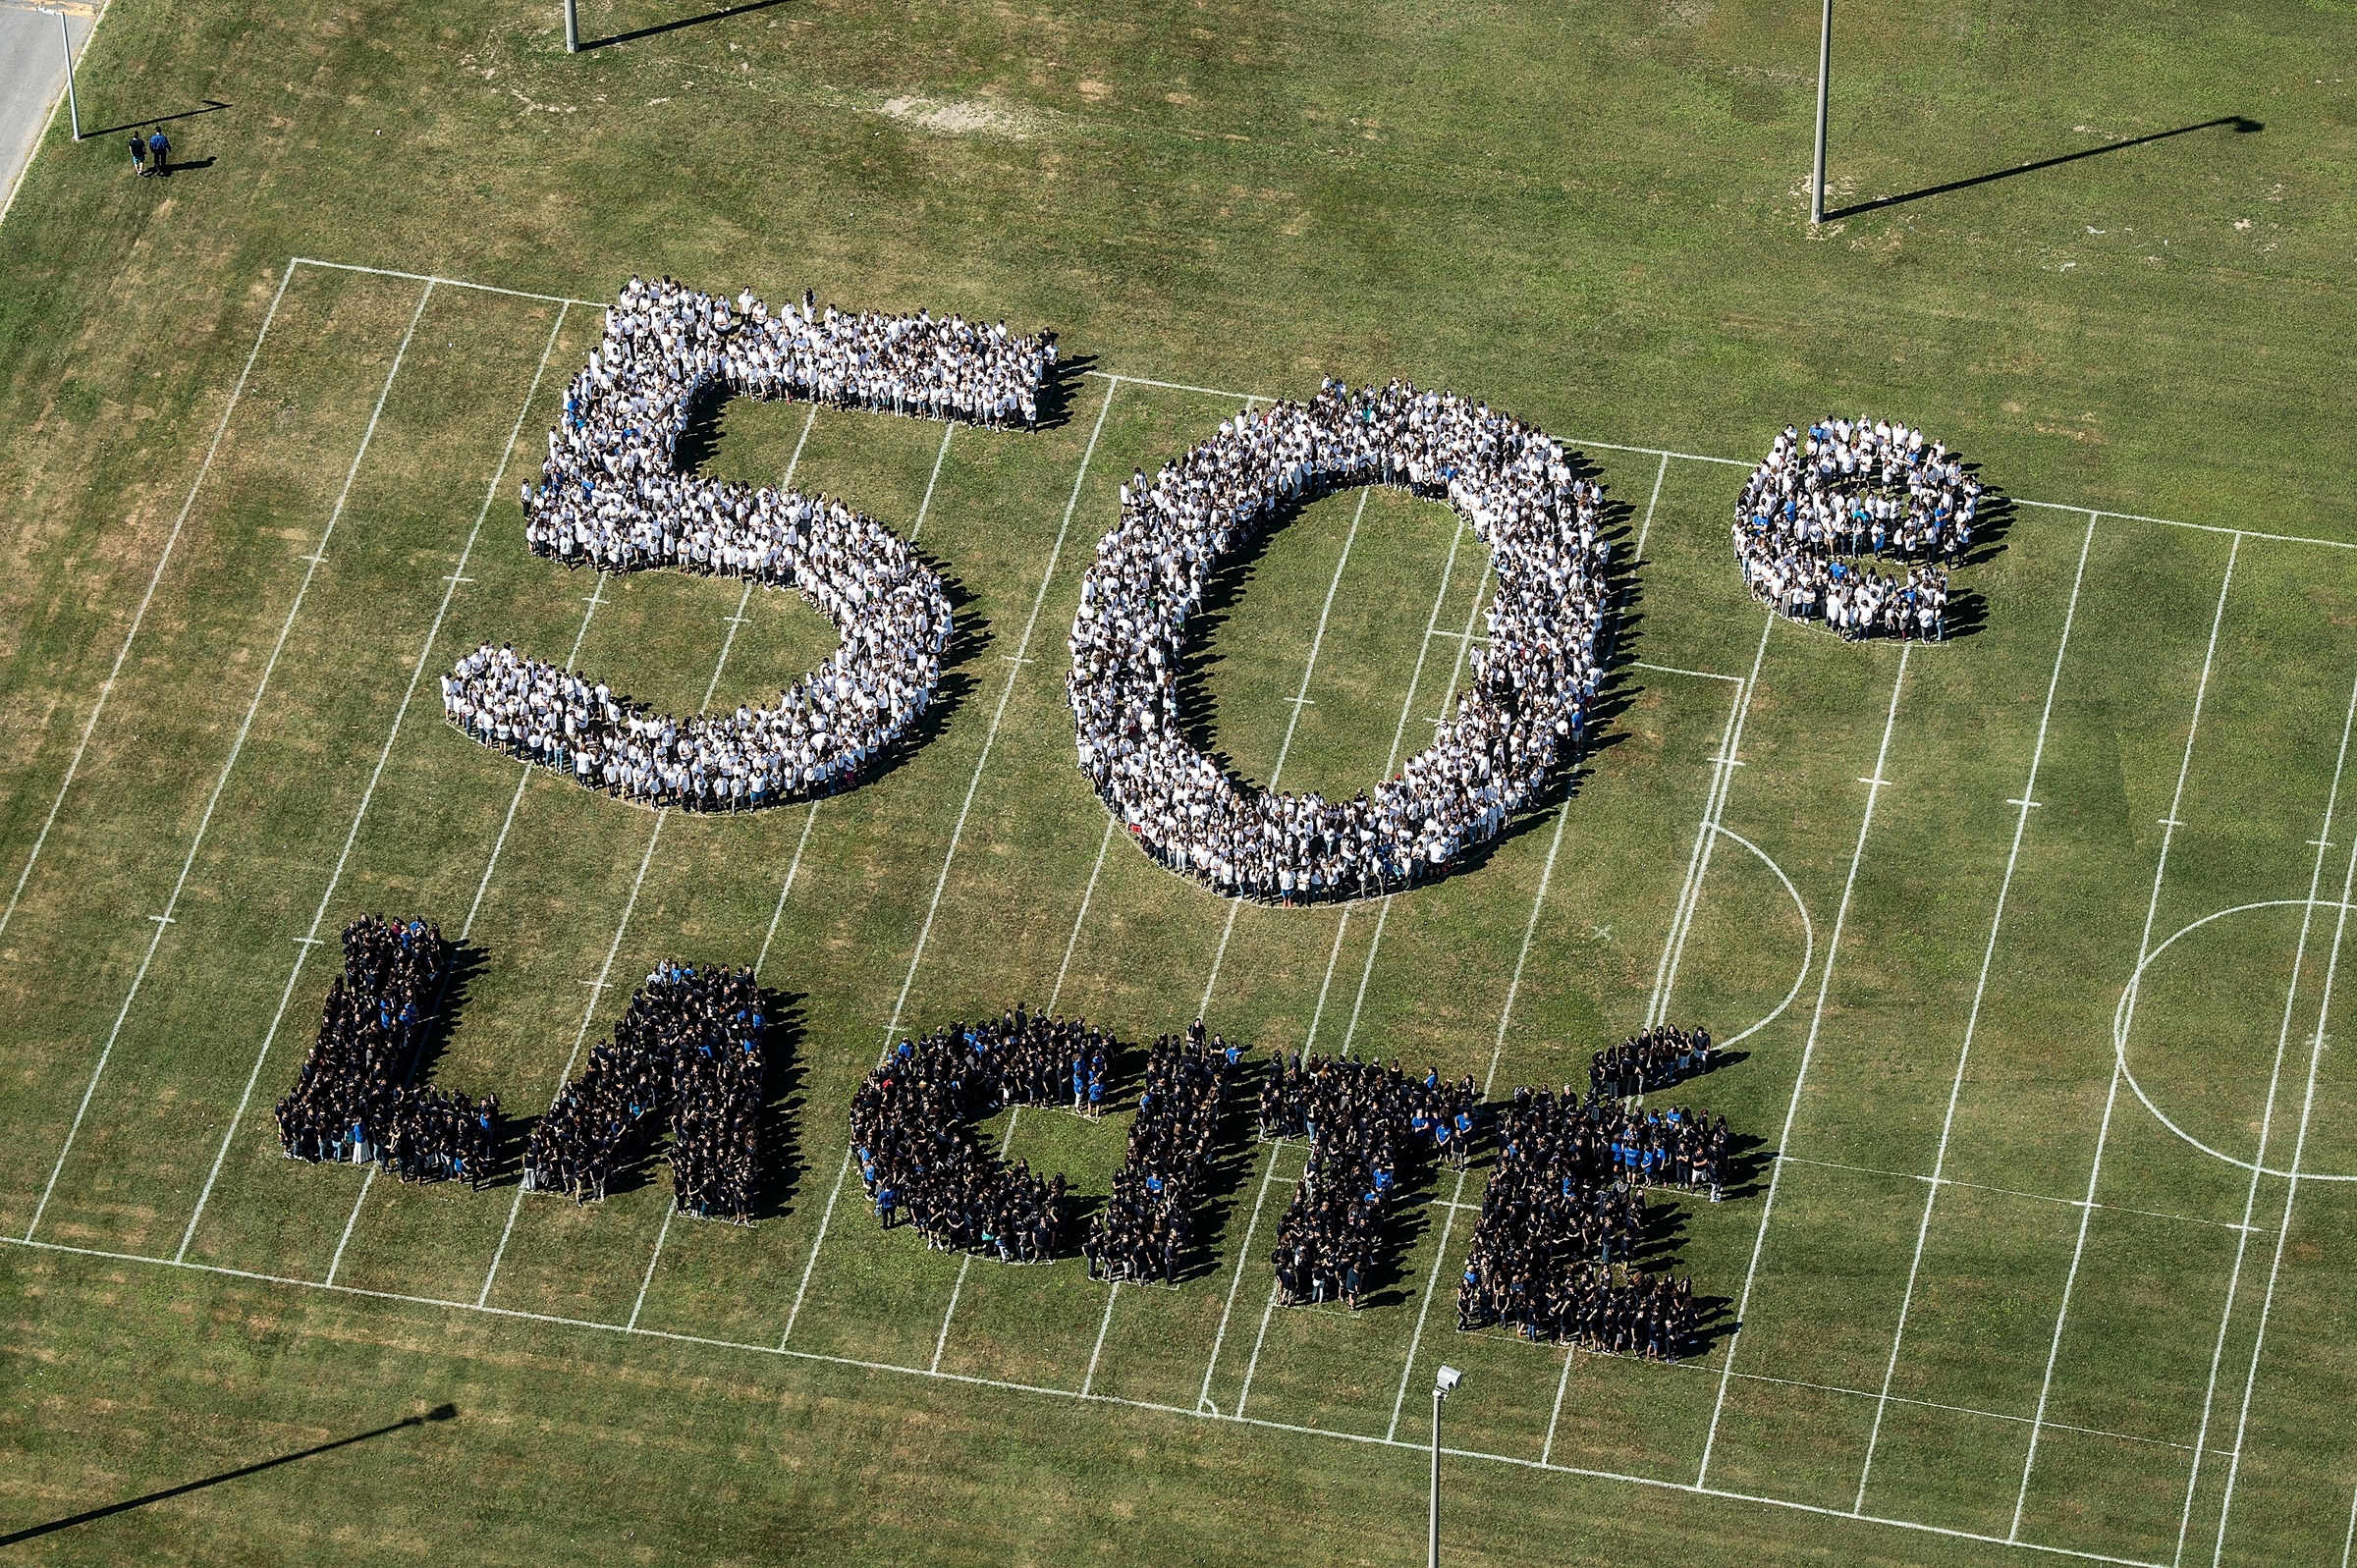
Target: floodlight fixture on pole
[[1441, 1387], [73, 105], [1825, 73], [573, 29]]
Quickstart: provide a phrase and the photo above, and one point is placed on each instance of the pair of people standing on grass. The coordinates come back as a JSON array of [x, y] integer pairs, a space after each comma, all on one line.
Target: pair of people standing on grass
[[153, 153]]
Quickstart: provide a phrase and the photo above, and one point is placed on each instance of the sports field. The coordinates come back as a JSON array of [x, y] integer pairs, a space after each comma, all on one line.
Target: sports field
[[2027, 943]]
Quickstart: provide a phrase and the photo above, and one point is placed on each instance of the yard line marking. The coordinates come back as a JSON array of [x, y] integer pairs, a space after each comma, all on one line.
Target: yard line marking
[[1672, 669], [139, 619], [313, 938], [1203, 1400], [2350, 1538], [2299, 1151], [1180, 386], [966, 1261], [1825, 985], [588, 1015], [989, 737], [237, 748], [1440, 1264], [638, 1306], [2144, 945], [436, 280], [778, 913], [949, 429], [1285, 746], [2250, 1204], [1972, 1018], [1252, 1365], [1080, 919], [1317, 1014], [1556, 1413], [1714, 811], [1088, 1381], [963, 1379]]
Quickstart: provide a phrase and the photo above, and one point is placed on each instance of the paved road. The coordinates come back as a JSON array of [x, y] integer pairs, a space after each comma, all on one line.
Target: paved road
[[33, 78]]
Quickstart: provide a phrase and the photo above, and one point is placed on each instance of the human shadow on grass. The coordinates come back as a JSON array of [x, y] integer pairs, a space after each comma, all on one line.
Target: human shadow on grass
[[658, 29], [211, 107], [191, 166], [2240, 125], [440, 1413]]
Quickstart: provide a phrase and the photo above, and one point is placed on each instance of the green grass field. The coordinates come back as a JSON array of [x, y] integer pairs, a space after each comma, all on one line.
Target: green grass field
[[2024, 1263]]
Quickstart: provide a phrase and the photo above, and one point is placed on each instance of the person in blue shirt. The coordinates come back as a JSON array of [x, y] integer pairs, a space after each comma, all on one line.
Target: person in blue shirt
[[159, 151]]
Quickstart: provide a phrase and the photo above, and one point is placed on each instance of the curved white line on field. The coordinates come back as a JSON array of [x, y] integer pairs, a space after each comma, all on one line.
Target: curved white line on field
[[1808, 928], [2123, 1014]]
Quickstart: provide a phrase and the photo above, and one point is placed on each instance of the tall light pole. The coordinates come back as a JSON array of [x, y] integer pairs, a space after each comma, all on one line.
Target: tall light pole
[[1442, 1386], [572, 35], [1825, 75], [73, 105]]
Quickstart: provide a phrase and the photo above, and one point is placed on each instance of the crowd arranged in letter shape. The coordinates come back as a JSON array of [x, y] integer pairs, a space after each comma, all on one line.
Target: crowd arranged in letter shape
[[1522, 716], [612, 498]]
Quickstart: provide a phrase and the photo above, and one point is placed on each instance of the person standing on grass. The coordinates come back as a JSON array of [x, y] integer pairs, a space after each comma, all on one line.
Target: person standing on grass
[[159, 151], [138, 155]]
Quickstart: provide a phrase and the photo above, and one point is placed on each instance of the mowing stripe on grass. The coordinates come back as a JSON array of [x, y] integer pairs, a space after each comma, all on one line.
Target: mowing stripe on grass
[[2095, 1169], [1825, 983], [965, 1379], [237, 748], [138, 616], [1014, 669], [1972, 1018], [2266, 1127]]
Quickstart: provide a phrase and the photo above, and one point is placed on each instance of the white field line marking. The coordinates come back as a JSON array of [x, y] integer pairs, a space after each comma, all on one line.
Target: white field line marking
[[1714, 810], [1555, 1412], [990, 737], [588, 1015], [1808, 935], [1432, 1287], [237, 748], [138, 616], [2034, 1197], [1972, 1018], [926, 505], [940, 1341], [1080, 919], [638, 1306], [1318, 1014], [963, 1379], [1808, 1050], [1285, 748], [2095, 1169], [1088, 1380], [1673, 670], [1243, 1253], [2299, 1150], [311, 940], [2350, 1538], [2266, 1127], [1245, 1393]]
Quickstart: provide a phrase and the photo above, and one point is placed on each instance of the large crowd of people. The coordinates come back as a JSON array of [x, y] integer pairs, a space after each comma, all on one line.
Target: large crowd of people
[[356, 1097], [1363, 1120], [912, 1130], [610, 498], [1563, 1216], [1857, 522], [690, 1044], [1147, 1224], [1522, 716]]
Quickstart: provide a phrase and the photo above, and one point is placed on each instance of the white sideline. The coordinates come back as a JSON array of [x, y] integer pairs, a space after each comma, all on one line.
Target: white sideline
[[2095, 1169], [237, 748], [1014, 668], [458, 574], [1066, 1394], [1825, 983], [139, 619], [2266, 1127], [1972, 1018]]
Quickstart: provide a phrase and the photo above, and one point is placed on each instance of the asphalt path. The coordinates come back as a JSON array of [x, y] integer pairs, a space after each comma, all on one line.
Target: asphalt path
[[33, 81]]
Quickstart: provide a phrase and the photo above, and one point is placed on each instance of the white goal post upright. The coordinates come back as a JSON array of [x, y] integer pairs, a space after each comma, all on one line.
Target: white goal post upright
[[1825, 71]]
